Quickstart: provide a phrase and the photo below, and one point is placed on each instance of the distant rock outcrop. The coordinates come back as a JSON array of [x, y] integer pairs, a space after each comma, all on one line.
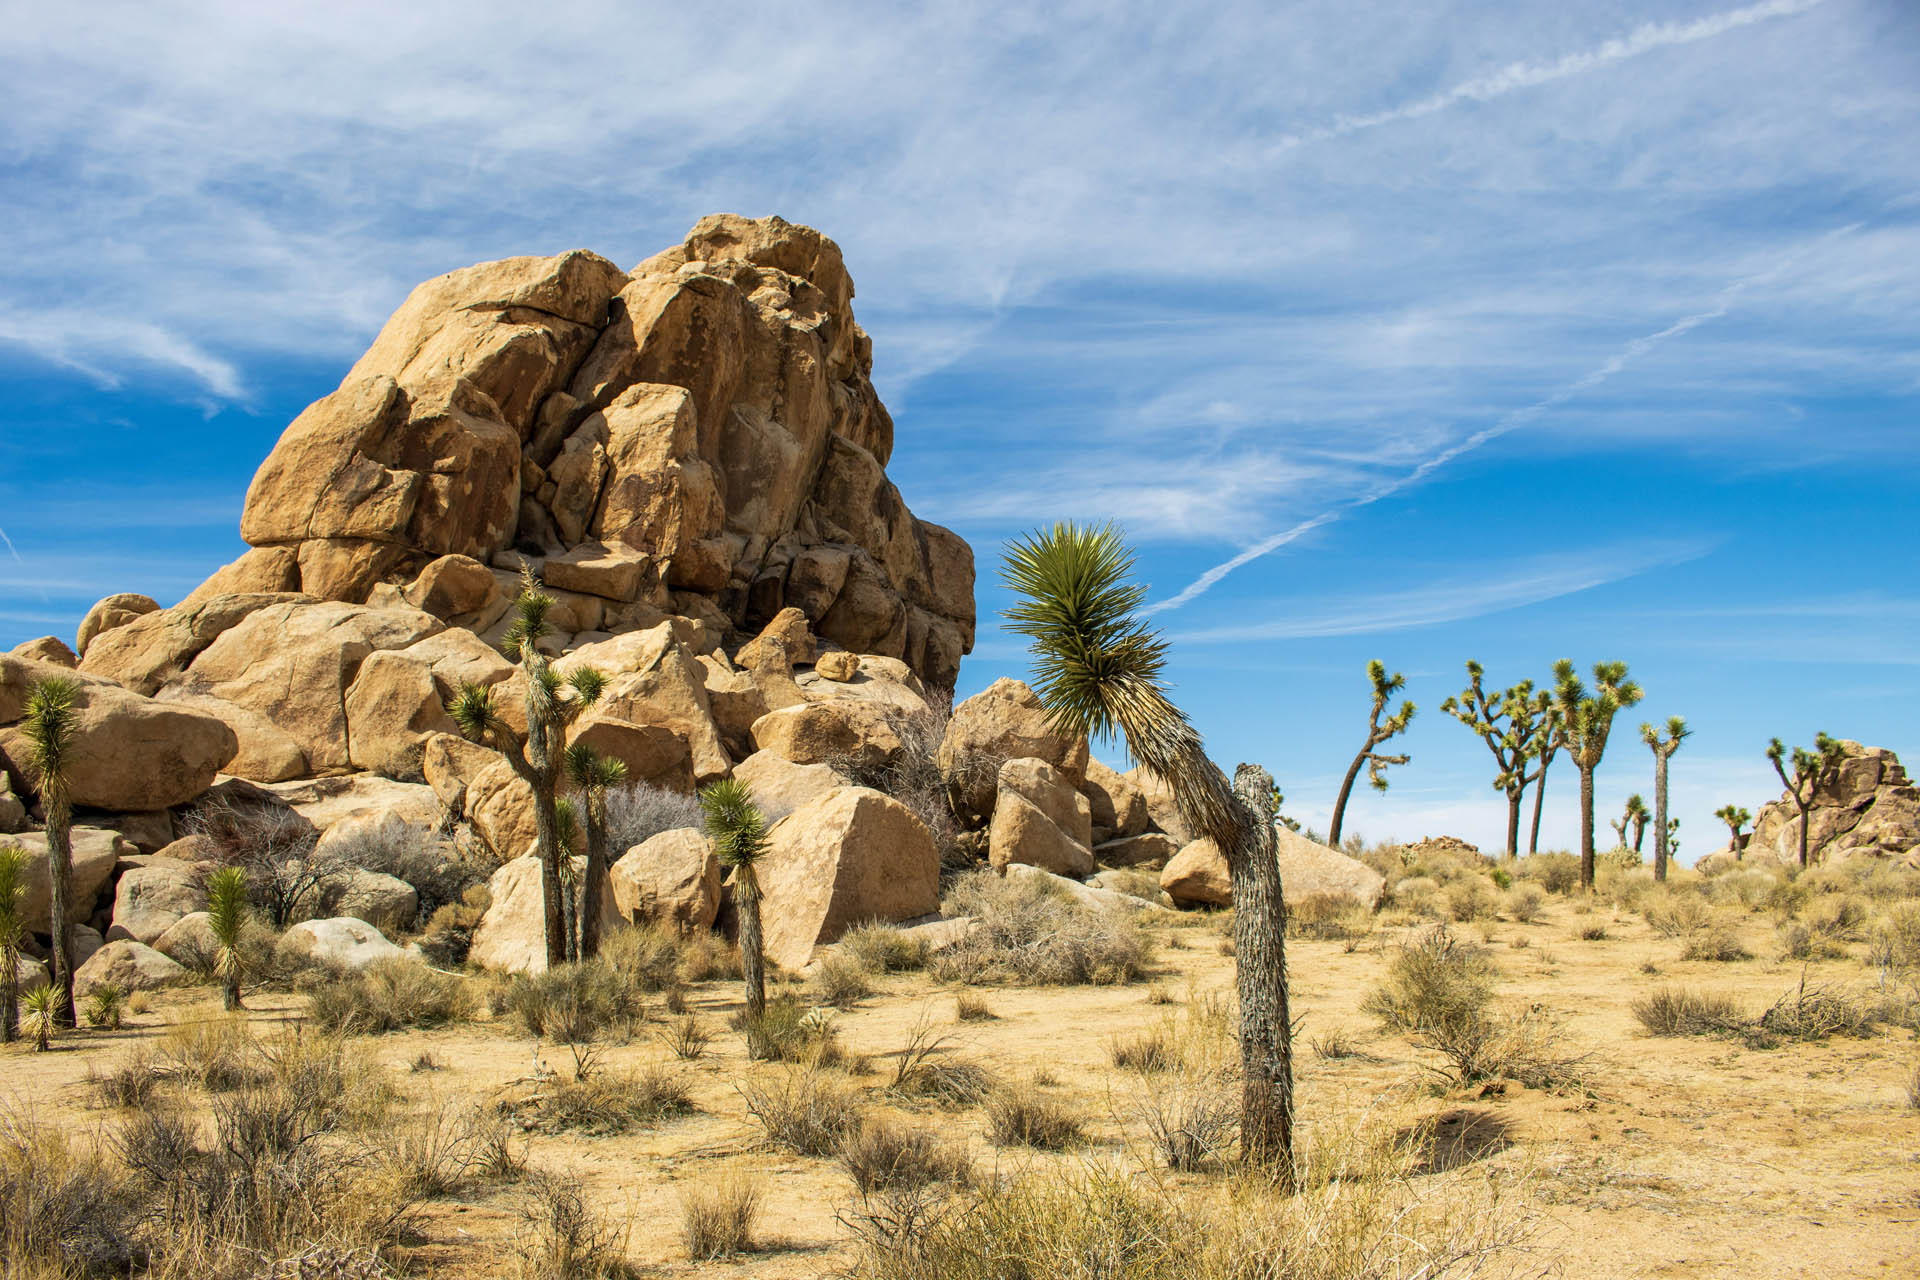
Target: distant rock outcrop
[[1863, 807]]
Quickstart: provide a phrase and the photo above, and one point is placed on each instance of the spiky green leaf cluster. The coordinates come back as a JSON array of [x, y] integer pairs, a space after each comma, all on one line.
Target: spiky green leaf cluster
[[13, 896], [530, 610], [227, 908], [1668, 742], [1586, 719], [734, 823], [592, 772], [473, 712], [51, 726]]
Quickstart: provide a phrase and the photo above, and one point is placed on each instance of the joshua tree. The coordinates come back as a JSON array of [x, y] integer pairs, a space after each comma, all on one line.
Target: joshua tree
[[1673, 837], [593, 775], [1510, 725], [1586, 721], [1633, 819], [1807, 768], [1663, 749], [1735, 817], [1101, 669], [739, 833], [13, 936], [51, 726], [552, 703], [1377, 733], [1546, 747], [226, 918]]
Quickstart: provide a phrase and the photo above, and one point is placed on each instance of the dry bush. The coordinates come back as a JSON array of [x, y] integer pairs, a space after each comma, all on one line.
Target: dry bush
[[1028, 933], [1815, 1013], [1676, 915], [882, 948], [1591, 931], [1627, 887], [1145, 1051], [1020, 1115], [288, 874], [106, 1007], [64, 1212], [1527, 1047], [444, 1151], [1333, 1045], [716, 1219], [840, 981], [1330, 916], [1554, 872], [913, 776], [563, 1237], [1749, 888], [1685, 1011], [1418, 894], [1913, 1088], [1434, 980], [390, 995], [640, 811], [601, 1103], [1838, 917], [1718, 940], [134, 1083], [658, 957], [968, 1007], [1525, 902], [925, 1070], [215, 1054], [883, 1155], [1895, 939], [1472, 898], [806, 1111], [1802, 942], [1193, 1125], [574, 1003], [434, 867], [448, 936], [788, 1031], [686, 1037]]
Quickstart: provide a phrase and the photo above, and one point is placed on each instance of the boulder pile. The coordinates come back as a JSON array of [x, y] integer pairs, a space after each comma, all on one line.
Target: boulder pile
[[1863, 807]]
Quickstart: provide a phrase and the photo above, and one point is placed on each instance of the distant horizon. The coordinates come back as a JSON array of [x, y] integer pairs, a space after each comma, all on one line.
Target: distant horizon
[[1495, 333]]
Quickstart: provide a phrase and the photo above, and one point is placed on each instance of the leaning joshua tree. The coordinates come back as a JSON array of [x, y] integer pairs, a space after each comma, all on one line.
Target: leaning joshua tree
[[1735, 817], [1383, 690], [1585, 722], [593, 775], [51, 726], [1100, 669], [738, 830], [552, 704], [1807, 768], [1511, 725], [1663, 748], [13, 936]]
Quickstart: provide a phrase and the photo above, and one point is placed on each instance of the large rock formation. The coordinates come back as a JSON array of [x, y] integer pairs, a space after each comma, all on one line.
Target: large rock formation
[[1864, 806]]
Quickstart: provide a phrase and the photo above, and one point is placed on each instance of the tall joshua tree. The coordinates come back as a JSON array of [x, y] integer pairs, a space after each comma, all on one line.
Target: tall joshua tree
[[1100, 669], [1510, 724], [593, 775], [1807, 768], [552, 704], [226, 919], [739, 833], [1663, 747], [1384, 687], [1586, 721], [51, 726], [13, 936], [1735, 817]]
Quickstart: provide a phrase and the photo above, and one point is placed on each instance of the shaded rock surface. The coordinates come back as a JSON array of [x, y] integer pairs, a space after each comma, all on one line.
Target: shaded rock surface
[[1865, 806]]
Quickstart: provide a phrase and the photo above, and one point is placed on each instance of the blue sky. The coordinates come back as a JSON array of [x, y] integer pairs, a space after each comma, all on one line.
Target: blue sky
[[1506, 331]]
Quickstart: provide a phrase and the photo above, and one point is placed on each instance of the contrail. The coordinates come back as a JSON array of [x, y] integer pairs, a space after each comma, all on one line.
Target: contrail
[[1507, 422], [1526, 75], [11, 549]]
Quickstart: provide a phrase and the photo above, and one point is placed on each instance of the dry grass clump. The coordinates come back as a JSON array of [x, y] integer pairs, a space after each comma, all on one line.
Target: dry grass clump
[[1894, 944], [716, 1219], [448, 936], [840, 981], [1717, 940], [1145, 1051], [1528, 1047], [64, 1210], [563, 1237], [600, 1103], [882, 948], [1417, 894], [1331, 916], [656, 957], [215, 1054], [882, 1155], [1027, 933], [1687, 1011], [686, 1037], [1525, 903], [925, 1070], [1433, 980], [573, 1003], [1913, 1088], [1676, 915], [968, 1007], [442, 1152], [1019, 1115], [1333, 1045], [1193, 1125], [133, 1084], [1472, 898], [1748, 888], [788, 1031], [806, 1111], [1591, 931], [1815, 1013], [1554, 872], [389, 995]]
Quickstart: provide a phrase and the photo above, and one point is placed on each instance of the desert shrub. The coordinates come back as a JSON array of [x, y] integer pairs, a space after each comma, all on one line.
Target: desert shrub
[[1525, 902], [1554, 872], [134, 1083], [1802, 942], [1913, 1088], [882, 1155], [1145, 1051], [216, 1054], [913, 776], [433, 866], [1686, 1011], [1895, 939], [926, 1069], [1433, 980], [1816, 1013], [788, 1031], [806, 1111], [1627, 887], [1332, 1044], [602, 1103], [686, 1037], [1676, 915], [1839, 917], [639, 811], [1019, 1115], [445, 1151], [64, 1211], [574, 1003], [288, 873], [1026, 932], [1418, 894], [716, 1219], [1192, 1125], [562, 1235], [390, 995], [1718, 940], [840, 981], [1526, 1046], [106, 1007], [968, 1007], [1591, 931], [1747, 887], [882, 948], [1472, 898], [657, 957], [1331, 916], [448, 936]]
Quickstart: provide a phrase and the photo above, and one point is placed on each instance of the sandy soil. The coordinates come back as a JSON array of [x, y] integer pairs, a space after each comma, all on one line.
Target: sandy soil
[[1680, 1157]]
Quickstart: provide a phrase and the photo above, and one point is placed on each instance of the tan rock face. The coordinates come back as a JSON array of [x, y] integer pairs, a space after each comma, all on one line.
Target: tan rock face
[[1162, 812], [1003, 722], [150, 900], [500, 807], [838, 666], [655, 680], [337, 943], [1148, 849], [128, 965], [512, 935], [1864, 807], [1039, 820], [130, 753], [712, 412], [673, 878], [851, 856], [1119, 807], [450, 763], [48, 649], [861, 732], [94, 854], [1198, 875], [779, 786], [392, 708], [153, 650], [114, 611]]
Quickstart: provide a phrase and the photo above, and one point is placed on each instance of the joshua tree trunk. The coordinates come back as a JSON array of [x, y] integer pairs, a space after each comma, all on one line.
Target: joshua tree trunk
[[10, 1002], [1659, 816], [746, 897], [1805, 814], [60, 866], [1259, 939], [1340, 804], [1586, 826], [1513, 823], [1539, 798], [593, 891]]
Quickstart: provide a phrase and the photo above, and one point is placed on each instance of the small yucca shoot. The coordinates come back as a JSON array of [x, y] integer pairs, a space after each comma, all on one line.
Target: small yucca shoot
[[106, 1006], [40, 1014], [227, 917]]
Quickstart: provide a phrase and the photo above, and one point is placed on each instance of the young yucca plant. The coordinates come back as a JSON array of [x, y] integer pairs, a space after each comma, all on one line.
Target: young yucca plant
[[51, 728], [13, 936], [738, 830], [227, 917], [106, 1006], [1100, 669], [40, 1012], [593, 775], [552, 703]]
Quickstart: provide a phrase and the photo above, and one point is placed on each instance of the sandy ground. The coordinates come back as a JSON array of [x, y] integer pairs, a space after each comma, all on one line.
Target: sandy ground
[[1681, 1157]]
